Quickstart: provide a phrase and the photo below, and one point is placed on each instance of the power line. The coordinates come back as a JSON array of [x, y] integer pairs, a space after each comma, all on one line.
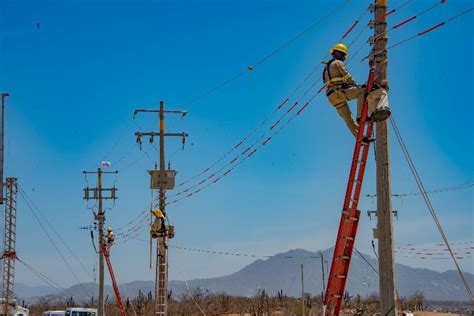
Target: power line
[[45, 278], [52, 242], [452, 188], [419, 34], [188, 288], [428, 203], [25, 196], [399, 24], [265, 58], [366, 261], [266, 119], [212, 178]]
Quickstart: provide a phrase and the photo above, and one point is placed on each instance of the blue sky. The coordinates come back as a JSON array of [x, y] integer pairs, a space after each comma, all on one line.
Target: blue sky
[[76, 80]]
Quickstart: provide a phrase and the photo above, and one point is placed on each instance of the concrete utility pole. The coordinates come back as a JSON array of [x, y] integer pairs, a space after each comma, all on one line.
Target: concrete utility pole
[[97, 194], [2, 147], [162, 180], [9, 252], [387, 286]]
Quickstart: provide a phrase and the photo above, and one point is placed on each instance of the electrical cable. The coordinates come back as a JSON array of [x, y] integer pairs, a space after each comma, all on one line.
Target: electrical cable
[[115, 144], [188, 288], [266, 119], [428, 203], [206, 170], [25, 196], [419, 34], [214, 180], [452, 188], [53, 243], [46, 279], [265, 58], [366, 261], [269, 138], [406, 21]]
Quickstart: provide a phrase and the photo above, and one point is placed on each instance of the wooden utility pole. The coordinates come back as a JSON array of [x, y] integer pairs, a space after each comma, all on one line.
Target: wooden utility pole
[[97, 194], [162, 180], [387, 286], [322, 272], [302, 290]]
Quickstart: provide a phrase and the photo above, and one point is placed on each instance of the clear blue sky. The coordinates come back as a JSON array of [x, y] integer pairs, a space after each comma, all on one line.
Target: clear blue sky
[[76, 80]]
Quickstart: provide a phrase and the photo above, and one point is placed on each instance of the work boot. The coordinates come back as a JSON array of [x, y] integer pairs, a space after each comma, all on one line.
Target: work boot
[[367, 140], [381, 115]]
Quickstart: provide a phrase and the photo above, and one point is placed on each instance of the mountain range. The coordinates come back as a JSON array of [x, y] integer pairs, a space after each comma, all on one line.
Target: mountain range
[[282, 272]]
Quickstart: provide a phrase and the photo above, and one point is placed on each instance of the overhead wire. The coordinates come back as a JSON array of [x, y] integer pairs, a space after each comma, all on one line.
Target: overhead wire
[[371, 24], [45, 278], [424, 32], [453, 243], [276, 109], [396, 26], [185, 279], [366, 261], [263, 140], [52, 242], [452, 188], [351, 28], [76, 257], [265, 58], [118, 140], [215, 180], [209, 180], [428, 203]]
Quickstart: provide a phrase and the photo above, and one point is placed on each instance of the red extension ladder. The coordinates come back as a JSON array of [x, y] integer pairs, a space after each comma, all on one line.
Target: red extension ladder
[[350, 214], [106, 253]]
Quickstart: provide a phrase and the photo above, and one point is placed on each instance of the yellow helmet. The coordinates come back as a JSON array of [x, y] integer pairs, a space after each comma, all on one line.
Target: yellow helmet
[[109, 229], [340, 47], [158, 213]]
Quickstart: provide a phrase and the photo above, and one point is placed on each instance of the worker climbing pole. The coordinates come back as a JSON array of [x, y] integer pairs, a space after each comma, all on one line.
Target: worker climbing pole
[[106, 251], [372, 106], [350, 214], [161, 179]]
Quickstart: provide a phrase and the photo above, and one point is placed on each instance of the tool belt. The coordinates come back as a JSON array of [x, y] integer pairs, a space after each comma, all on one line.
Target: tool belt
[[336, 87]]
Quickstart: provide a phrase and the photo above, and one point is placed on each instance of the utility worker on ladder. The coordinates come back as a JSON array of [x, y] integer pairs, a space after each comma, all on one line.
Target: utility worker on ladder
[[158, 228], [109, 237], [340, 87]]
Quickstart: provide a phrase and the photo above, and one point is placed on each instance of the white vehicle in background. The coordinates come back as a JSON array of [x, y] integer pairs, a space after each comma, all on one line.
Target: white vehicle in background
[[17, 309], [54, 313], [78, 311]]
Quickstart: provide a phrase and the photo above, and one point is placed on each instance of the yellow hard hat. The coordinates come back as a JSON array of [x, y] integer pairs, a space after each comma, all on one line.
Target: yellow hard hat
[[158, 213], [109, 229], [340, 47]]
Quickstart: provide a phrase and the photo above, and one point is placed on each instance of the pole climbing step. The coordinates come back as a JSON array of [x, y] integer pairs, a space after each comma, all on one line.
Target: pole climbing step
[[350, 214]]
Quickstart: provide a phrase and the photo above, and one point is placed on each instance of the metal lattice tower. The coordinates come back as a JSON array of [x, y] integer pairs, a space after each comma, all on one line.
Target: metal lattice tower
[[9, 253]]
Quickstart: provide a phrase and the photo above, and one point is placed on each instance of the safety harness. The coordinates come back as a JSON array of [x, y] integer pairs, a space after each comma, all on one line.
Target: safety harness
[[336, 83]]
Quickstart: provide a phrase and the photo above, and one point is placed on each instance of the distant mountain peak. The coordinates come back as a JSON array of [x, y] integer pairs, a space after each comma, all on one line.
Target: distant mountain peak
[[281, 272]]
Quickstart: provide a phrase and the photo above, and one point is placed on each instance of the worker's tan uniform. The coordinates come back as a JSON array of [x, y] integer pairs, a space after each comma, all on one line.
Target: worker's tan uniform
[[340, 88]]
